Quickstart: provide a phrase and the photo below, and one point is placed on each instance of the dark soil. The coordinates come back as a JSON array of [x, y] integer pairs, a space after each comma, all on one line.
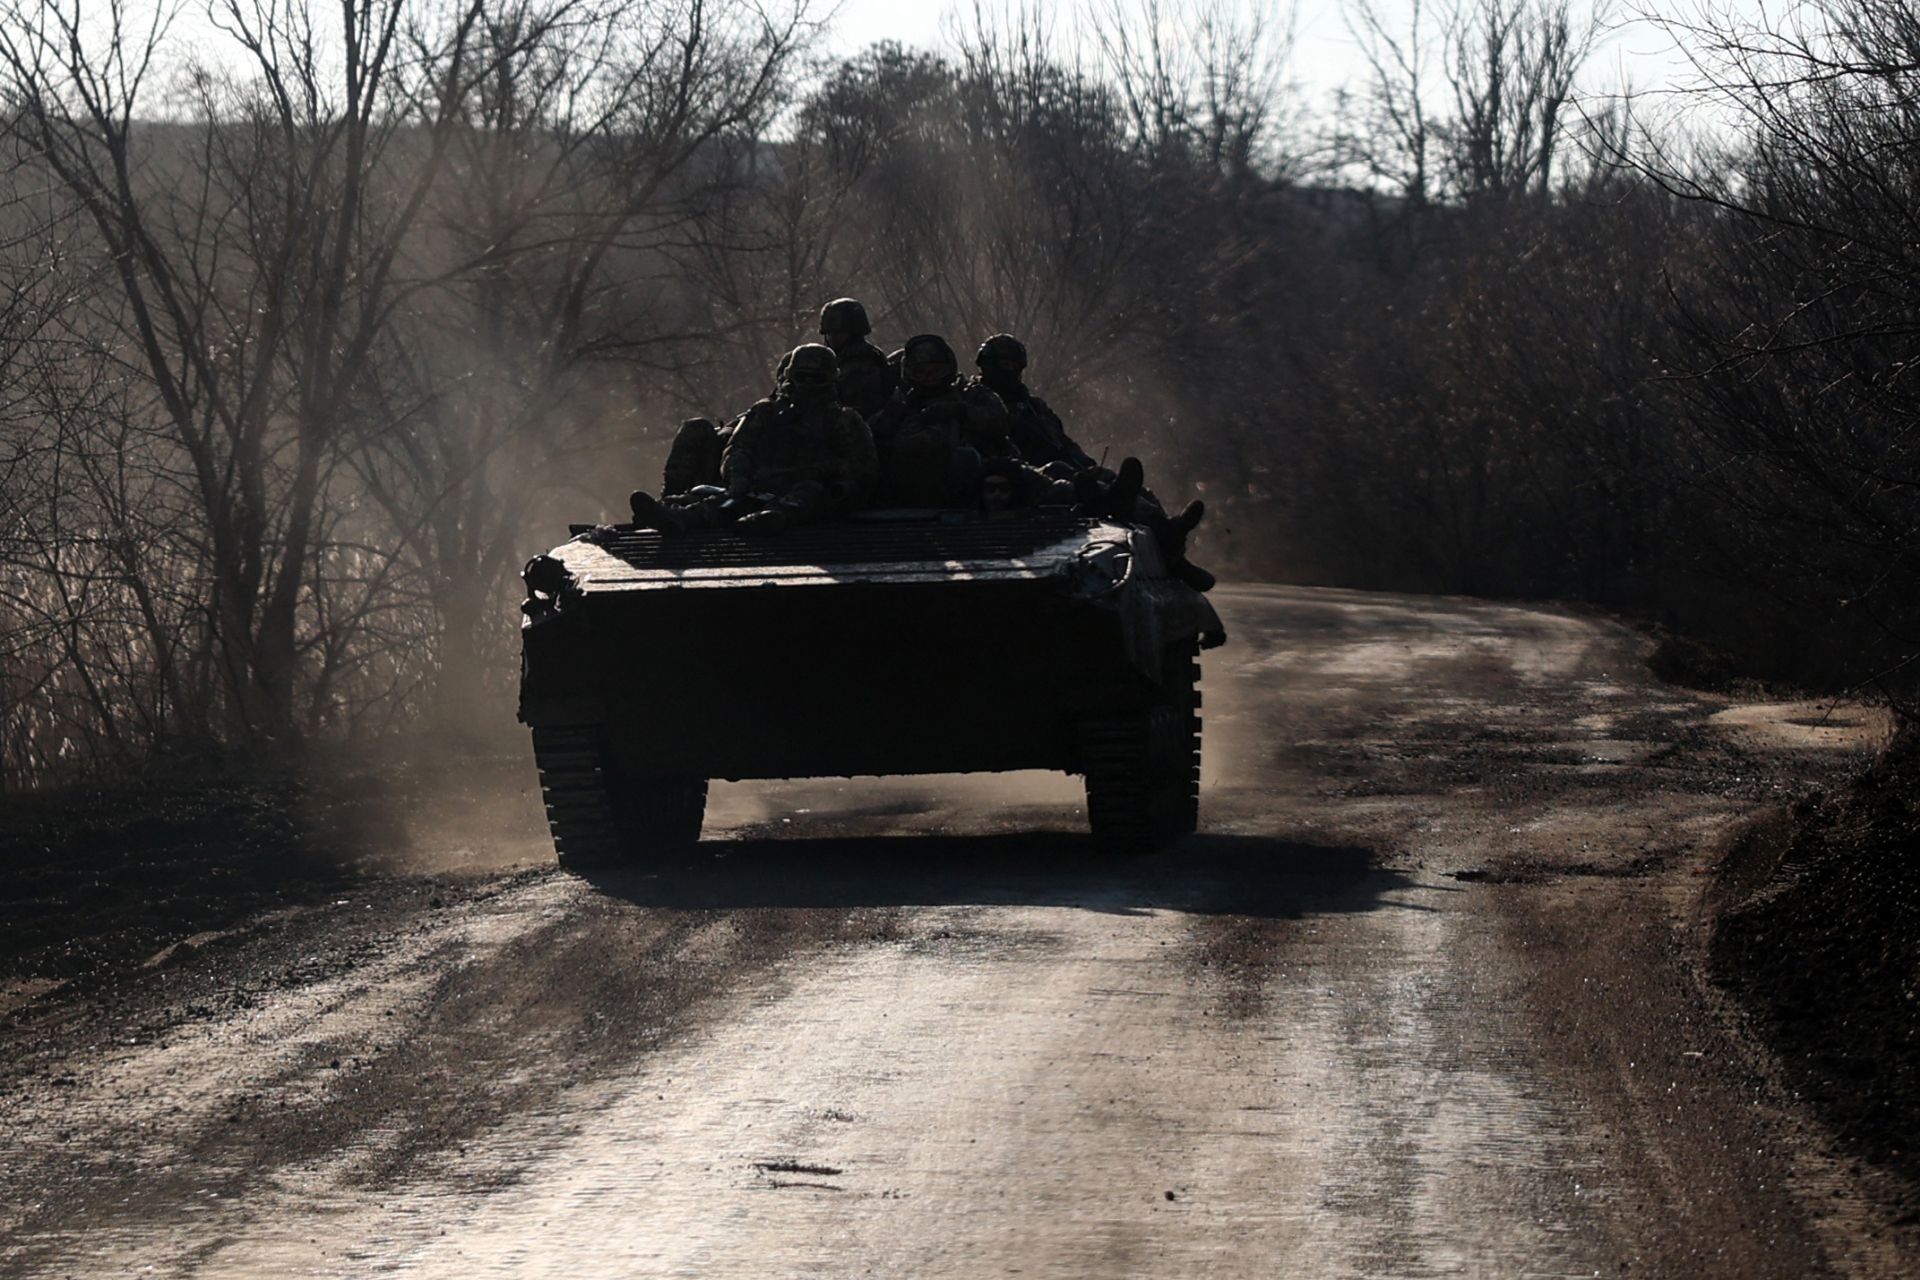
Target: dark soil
[[1690, 662], [1822, 945], [96, 881]]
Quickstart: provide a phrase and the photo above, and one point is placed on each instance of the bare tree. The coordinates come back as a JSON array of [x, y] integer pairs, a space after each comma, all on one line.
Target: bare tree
[[1794, 339], [1390, 136], [1511, 66], [1206, 77], [259, 249], [1491, 120], [573, 190]]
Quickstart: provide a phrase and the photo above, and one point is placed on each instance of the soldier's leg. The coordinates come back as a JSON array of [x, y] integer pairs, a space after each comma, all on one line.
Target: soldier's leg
[[721, 510], [1114, 496], [1124, 493], [804, 503], [1040, 487], [650, 512], [1171, 533], [707, 508], [1128, 498]]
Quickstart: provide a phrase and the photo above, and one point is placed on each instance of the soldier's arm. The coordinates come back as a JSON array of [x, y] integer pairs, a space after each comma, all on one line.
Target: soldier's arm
[[736, 464], [987, 423], [885, 425], [1075, 455], [856, 462], [1031, 443]]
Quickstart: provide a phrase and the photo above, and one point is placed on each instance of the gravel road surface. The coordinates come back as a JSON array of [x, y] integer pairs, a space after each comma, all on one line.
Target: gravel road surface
[[1424, 998]]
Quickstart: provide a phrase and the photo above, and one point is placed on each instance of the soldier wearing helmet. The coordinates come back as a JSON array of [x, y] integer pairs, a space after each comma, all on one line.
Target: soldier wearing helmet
[[866, 380], [1036, 430], [698, 446], [933, 433], [1042, 440], [796, 457]]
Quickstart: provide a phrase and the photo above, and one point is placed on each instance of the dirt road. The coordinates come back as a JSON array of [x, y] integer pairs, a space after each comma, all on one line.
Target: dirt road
[[1422, 999]]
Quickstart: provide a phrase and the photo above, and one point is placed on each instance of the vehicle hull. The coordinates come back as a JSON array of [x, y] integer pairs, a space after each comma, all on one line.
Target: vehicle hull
[[932, 644], [779, 682]]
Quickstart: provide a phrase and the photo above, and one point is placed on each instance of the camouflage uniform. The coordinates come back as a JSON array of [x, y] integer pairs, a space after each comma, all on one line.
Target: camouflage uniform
[[1036, 430], [700, 444], [934, 432], [1040, 435], [784, 443], [867, 380], [796, 457], [1042, 440]]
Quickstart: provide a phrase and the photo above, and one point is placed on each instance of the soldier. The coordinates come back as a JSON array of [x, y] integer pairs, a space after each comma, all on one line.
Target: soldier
[[1042, 439], [698, 446], [1008, 485], [933, 433], [867, 380], [1036, 430], [797, 457]]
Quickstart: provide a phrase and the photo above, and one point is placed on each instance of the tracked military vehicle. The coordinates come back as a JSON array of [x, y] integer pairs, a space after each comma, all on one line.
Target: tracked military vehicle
[[889, 643]]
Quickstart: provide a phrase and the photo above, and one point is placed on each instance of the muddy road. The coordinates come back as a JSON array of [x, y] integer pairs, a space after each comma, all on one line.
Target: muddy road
[[1423, 998]]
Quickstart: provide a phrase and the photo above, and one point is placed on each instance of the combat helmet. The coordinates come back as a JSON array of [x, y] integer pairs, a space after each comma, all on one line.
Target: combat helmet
[[810, 370], [845, 315], [1002, 348], [928, 348]]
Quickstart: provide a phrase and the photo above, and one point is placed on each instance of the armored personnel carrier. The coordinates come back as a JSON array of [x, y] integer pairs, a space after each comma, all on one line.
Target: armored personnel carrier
[[890, 643]]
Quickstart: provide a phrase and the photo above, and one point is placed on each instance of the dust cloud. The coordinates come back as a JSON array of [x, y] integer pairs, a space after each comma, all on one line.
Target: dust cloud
[[485, 816]]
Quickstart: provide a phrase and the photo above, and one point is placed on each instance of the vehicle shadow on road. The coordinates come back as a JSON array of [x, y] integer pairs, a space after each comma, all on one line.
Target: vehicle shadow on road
[[1205, 874]]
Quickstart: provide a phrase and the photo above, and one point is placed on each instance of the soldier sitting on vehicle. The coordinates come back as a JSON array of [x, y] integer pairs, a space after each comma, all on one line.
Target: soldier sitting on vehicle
[[1042, 441], [797, 457], [1036, 430], [867, 381], [698, 446], [934, 432]]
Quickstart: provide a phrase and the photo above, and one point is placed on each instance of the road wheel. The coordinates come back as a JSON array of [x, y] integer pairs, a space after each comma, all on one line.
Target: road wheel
[[600, 817], [1116, 756], [1143, 770], [1177, 744], [656, 815]]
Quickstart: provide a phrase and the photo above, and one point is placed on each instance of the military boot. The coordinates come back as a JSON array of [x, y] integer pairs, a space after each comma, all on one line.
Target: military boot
[[1171, 533], [651, 513]]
